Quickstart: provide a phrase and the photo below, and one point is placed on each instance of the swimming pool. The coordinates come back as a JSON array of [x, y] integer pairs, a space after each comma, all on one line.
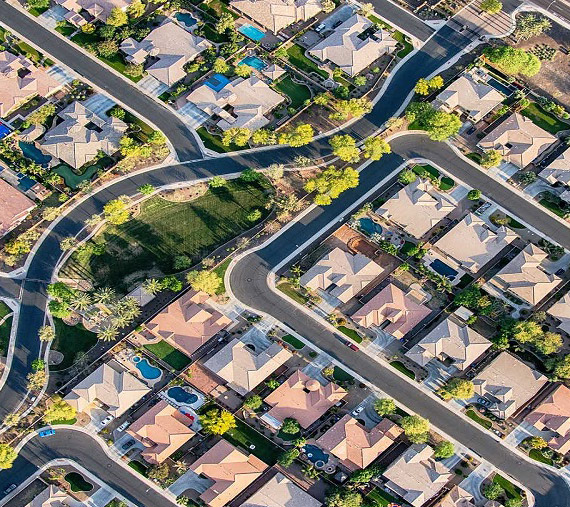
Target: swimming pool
[[26, 183], [181, 395], [4, 130], [251, 32], [254, 62], [148, 371], [186, 19], [35, 154], [443, 269], [499, 86], [315, 454], [217, 82], [369, 226]]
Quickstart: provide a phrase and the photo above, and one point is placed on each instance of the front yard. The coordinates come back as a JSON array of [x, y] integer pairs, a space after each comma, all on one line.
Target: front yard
[[297, 58], [71, 340]]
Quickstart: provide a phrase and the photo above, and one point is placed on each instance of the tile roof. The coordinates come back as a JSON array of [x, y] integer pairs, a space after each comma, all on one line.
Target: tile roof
[[281, 492], [561, 311], [231, 470], [99, 9], [14, 207], [558, 171], [457, 497], [303, 399], [51, 496], [356, 446]]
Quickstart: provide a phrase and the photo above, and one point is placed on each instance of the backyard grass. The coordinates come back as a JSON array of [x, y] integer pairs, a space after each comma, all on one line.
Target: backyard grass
[[244, 436], [511, 490], [163, 350], [139, 467], [214, 143], [444, 183], [351, 333], [69, 340], [341, 375], [221, 272], [538, 456], [297, 58], [293, 293], [295, 342], [163, 230], [5, 329], [401, 367], [379, 498], [554, 207], [543, 119], [77, 482], [298, 93], [480, 420]]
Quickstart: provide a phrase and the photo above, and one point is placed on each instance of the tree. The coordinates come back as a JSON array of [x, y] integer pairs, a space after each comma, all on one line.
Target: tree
[[513, 502], [444, 450], [513, 60], [37, 4], [242, 70], [60, 291], [220, 66], [116, 211], [207, 281], [104, 295], [299, 136], [136, 9], [249, 175], [311, 472], [46, 334], [366, 9], [422, 87], [341, 497], [491, 6], [527, 177], [217, 421], [537, 442], [360, 81], [254, 216], [491, 158], [253, 402], [38, 364], [36, 380], [171, 283], [385, 406], [159, 472], [108, 334], [237, 135], [59, 410], [328, 6], [344, 147], [272, 383], [146, 189], [562, 367], [275, 172], [134, 69], [264, 137], [225, 21], [474, 194], [290, 426], [59, 309], [286, 458], [493, 491], [7, 456], [322, 99], [526, 331], [40, 116], [353, 107], [157, 138], [117, 17], [152, 286], [548, 343], [107, 48], [331, 183], [11, 419], [218, 182], [531, 25], [438, 124], [407, 176], [416, 428], [458, 388], [375, 147]]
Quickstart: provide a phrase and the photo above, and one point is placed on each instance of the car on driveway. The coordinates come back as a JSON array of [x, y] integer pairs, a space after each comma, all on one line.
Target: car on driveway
[[46, 433], [127, 444], [357, 411], [107, 420]]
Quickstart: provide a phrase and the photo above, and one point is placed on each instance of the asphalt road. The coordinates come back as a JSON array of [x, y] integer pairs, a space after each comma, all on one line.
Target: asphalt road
[[87, 452], [402, 19], [560, 8]]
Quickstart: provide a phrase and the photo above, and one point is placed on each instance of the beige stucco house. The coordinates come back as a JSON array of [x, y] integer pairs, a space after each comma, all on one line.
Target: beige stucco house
[[561, 312], [52, 496], [280, 491], [99, 9]]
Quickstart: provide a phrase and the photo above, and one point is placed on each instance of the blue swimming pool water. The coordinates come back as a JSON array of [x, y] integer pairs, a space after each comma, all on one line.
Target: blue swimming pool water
[[443, 269], [33, 153], [26, 183], [181, 395], [217, 82], [369, 226], [147, 370], [185, 18], [4, 130], [499, 86], [251, 32], [315, 454], [254, 62]]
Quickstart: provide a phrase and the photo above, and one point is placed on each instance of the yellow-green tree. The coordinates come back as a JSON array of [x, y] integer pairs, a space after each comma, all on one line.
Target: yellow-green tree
[[344, 147], [331, 183], [59, 410], [375, 148], [116, 211], [207, 281], [7, 456], [217, 421], [491, 6], [117, 17], [299, 136]]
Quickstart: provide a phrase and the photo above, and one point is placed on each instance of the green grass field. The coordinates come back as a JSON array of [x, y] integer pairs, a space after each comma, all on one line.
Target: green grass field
[[139, 467], [298, 93], [552, 206], [298, 59], [543, 119], [379, 498], [295, 342], [163, 350], [221, 272], [511, 490], [5, 329], [4, 310], [445, 183], [351, 333], [244, 436], [166, 229], [69, 340], [290, 291], [538, 456], [401, 367], [341, 375], [214, 143], [479, 420]]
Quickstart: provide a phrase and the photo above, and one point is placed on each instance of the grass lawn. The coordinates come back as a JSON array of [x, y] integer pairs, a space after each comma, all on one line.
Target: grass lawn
[[214, 143], [221, 272], [480, 420], [351, 333], [69, 340], [296, 57], [164, 229], [72, 179], [163, 350], [244, 436], [476, 157], [543, 119], [293, 293], [401, 38], [401, 367], [433, 174], [298, 93], [538, 456], [377, 497], [339, 374], [515, 224], [4, 310], [36, 11], [66, 30], [211, 34], [28, 50], [295, 342], [5, 329], [508, 486], [64, 421], [139, 467], [554, 207], [77, 482]]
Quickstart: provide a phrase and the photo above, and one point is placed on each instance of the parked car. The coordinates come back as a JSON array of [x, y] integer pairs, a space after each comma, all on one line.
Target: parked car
[[46, 433], [10, 488], [127, 444], [357, 411], [471, 130], [320, 27], [107, 420], [124, 426], [351, 346]]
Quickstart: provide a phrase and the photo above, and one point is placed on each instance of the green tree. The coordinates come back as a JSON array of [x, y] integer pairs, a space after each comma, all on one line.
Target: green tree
[[36, 380], [217, 421], [531, 25], [491, 6], [328, 6], [108, 334], [360, 81], [298, 136], [407, 176], [253, 402], [537, 442], [491, 158], [38, 364], [352, 107], [37, 4], [220, 66], [290, 426], [416, 428], [225, 21], [218, 182], [493, 491], [344, 147], [46, 334], [458, 388], [157, 138], [117, 17], [136, 9], [171, 283], [526, 331], [474, 194], [341, 497], [41, 115], [152, 286], [116, 211], [59, 309], [322, 99], [513, 60], [330, 183], [117, 112], [286, 458], [7, 456], [375, 148], [249, 175], [60, 291], [159, 472], [59, 410], [237, 135], [254, 216], [146, 189], [444, 450], [438, 124], [548, 343], [272, 383], [513, 502], [385, 406], [311, 472], [134, 69], [68, 243], [264, 137], [561, 367], [207, 281], [527, 177], [242, 70]]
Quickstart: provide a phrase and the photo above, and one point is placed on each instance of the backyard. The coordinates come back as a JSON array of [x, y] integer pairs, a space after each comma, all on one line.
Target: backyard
[[543, 119], [297, 58], [71, 340], [245, 436], [298, 93], [146, 245], [163, 350], [379, 498]]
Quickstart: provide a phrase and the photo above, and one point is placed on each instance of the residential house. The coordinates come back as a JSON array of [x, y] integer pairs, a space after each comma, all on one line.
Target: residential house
[[525, 276], [302, 398], [393, 311], [508, 383], [230, 470], [20, 80], [162, 429], [553, 415], [354, 45], [80, 135], [558, 172], [244, 365], [274, 15], [561, 312], [14, 207], [52, 496], [186, 323], [457, 497], [341, 274], [417, 208], [469, 95], [170, 47], [518, 139], [97, 9], [280, 491], [243, 102], [110, 388], [416, 476], [452, 342], [356, 446], [472, 243]]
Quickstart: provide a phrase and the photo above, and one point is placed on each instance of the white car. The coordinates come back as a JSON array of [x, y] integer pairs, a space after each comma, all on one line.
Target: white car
[[107, 420], [124, 426], [357, 411], [320, 27]]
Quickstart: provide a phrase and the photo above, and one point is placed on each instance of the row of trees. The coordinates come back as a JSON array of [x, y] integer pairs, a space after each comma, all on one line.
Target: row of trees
[[344, 147], [438, 124]]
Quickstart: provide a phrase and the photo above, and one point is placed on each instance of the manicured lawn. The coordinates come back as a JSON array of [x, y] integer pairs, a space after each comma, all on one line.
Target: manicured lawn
[[379, 498], [290, 291], [295, 342], [66, 30], [139, 467], [163, 350], [476, 157], [298, 93], [35, 11], [69, 340], [64, 421], [543, 119], [341, 375], [214, 143], [28, 50], [4, 310], [164, 229], [351, 333], [508, 486], [554, 207], [5, 329], [77, 482], [516, 224], [401, 367], [538, 456], [298, 59], [221, 272], [244, 436], [408, 47], [480, 420], [433, 174]]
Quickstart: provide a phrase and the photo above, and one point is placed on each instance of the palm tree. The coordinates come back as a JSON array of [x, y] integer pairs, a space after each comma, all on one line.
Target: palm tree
[[152, 286], [311, 472], [180, 467], [104, 295], [120, 320], [108, 334], [82, 301]]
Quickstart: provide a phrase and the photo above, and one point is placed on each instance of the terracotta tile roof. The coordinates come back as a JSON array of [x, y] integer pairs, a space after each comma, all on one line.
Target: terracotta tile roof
[[457, 497], [51, 496], [14, 207], [281, 492]]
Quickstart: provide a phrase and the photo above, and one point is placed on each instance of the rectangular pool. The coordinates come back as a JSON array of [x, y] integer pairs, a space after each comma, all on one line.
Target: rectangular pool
[[443, 269], [217, 82], [254, 62], [500, 87], [251, 32]]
